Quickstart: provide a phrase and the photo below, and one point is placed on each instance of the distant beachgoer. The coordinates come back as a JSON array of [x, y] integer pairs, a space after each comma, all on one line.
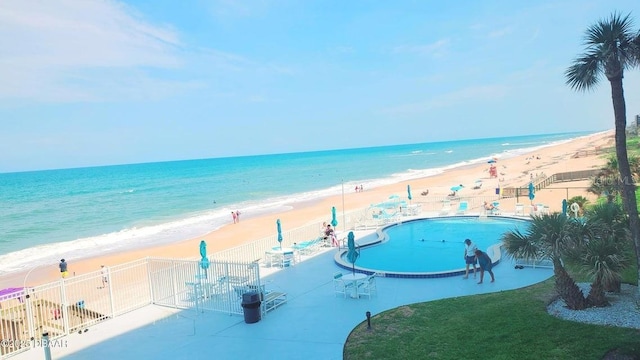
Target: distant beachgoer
[[63, 269], [469, 257], [237, 216], [234, 216], [357, 188], [104, 272], [361, 188], [484, 262]]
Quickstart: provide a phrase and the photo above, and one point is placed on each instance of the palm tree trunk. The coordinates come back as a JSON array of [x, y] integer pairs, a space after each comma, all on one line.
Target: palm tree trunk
[[596, 295], [567, 288], [628, 185]]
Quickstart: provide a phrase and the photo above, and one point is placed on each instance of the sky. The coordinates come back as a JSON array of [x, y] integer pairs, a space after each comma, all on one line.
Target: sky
[[88, 82]]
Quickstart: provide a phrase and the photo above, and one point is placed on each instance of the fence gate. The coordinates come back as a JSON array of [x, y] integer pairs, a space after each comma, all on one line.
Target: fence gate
[[185, 284]]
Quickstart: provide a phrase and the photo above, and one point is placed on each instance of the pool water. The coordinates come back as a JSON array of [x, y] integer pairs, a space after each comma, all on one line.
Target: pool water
[[433, 245]]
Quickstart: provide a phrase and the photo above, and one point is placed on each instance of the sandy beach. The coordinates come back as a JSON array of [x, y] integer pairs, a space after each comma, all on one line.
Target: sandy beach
[[512, 172]]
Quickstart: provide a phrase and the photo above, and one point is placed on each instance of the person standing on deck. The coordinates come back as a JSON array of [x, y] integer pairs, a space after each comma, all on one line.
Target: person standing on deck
[[470, 257]]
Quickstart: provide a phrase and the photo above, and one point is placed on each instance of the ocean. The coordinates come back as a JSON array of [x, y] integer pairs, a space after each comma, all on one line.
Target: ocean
[[83, 212]]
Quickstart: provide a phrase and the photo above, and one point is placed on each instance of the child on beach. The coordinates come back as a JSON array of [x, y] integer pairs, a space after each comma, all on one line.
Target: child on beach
[[234, 216]]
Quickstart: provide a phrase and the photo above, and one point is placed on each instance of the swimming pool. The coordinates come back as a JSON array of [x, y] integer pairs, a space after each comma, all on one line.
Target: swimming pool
[[430, 247]]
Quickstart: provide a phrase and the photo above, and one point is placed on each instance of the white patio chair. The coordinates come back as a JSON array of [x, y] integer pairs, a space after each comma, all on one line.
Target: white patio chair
[[446, 208], [368, 286], [288, 259], [519, 209], [340, 286]]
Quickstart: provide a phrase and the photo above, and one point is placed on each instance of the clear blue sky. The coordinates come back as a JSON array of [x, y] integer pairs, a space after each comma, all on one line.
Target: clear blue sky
[[107, 82]]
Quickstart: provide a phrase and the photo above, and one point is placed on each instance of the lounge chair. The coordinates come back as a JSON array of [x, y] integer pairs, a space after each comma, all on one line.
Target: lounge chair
[[463, 206], [310, 246], [272, 299], [477, 185], [519, 210]]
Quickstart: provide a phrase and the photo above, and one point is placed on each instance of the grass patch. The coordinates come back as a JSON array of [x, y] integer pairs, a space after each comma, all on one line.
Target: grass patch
[[506, 325]]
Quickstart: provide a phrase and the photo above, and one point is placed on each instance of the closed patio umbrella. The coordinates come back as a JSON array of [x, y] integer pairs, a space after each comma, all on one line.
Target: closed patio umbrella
[[204, 262], [409, 193], [334, 220], [279, 232], [532, 192], [352, 252]]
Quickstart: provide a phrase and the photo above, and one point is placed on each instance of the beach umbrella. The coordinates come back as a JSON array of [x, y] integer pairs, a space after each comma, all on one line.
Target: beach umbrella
[[564, 207], [409, 192], [532, 192], [352, 252], [279, 232], [204, 262], [334, 219]]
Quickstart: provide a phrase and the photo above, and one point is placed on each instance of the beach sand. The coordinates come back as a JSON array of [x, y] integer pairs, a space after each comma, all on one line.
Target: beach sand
[[512, 172]]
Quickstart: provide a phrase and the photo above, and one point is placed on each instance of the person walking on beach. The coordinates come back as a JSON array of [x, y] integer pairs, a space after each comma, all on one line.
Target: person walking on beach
[[237, 215], [469, 257], [104, 272], [234, 216], [484, 262], [63, 268]]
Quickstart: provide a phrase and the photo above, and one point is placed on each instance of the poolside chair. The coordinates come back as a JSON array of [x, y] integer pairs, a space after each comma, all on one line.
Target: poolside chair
[[288, 259], [310, 246], [519, 209], [446, 208], [368, 286], [463, 206], [340, 286], [496, 208]]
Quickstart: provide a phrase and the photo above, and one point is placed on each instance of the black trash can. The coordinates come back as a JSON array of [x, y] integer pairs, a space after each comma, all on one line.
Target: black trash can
[[251, 306]]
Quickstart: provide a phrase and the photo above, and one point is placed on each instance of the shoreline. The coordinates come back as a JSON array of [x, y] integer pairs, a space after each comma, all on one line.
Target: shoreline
[[514, 171]]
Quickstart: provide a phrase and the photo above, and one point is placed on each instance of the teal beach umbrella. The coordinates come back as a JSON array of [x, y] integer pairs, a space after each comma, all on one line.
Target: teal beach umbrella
[[334, 220], [564, 207], [532, 192], [352, 252], [204, 262], [279, 232], [409, 192]]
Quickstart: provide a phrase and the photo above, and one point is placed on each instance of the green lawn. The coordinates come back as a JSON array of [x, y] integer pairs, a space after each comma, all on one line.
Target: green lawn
[[505, 325]]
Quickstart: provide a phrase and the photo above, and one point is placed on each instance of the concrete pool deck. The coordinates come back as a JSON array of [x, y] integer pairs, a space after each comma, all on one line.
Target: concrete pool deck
[[313, 324]]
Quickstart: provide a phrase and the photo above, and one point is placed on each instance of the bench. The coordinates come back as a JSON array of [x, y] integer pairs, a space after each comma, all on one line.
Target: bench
[[273, 299]]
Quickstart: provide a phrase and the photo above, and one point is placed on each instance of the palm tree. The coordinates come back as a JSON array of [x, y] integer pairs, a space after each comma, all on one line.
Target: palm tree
[[611, 48], [602, 259], [550, 237], [607, 183], [611, 235]]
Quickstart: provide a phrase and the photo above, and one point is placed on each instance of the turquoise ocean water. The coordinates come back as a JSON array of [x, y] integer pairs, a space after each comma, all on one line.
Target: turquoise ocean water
[[76, 213]]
